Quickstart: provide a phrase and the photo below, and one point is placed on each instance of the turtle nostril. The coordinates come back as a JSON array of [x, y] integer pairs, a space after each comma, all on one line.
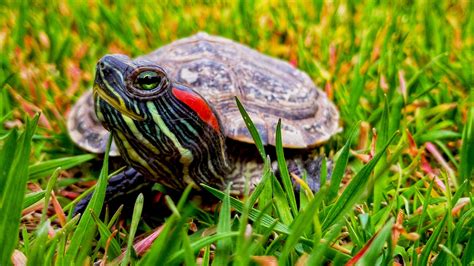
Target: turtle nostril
[[101, 65]]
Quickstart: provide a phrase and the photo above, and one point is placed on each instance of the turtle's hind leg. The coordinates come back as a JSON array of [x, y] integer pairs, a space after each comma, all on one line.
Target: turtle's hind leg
[[122, 188]]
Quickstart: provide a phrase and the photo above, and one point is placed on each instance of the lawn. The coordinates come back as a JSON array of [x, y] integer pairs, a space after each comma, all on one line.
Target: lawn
[[401, 191]]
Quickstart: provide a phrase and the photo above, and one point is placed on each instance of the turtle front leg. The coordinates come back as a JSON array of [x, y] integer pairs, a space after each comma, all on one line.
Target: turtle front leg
[[250, 170], [310, 166], [122, 188]]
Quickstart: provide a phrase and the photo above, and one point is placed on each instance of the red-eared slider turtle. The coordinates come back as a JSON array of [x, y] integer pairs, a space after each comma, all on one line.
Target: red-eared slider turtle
[[173, 116]]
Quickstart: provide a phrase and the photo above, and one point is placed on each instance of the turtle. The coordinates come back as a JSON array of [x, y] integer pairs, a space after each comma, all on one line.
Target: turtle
[[174, 119]]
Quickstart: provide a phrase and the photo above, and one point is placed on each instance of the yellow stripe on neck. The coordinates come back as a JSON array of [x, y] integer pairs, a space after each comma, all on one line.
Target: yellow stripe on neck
[[119, 106]]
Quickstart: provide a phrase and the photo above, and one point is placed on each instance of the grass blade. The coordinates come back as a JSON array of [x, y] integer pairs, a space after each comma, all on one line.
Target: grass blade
[[455, 260], [284, 174], [353, 191], [46, 168], [369, 254], [189, 258], [168, 242], [32, 198], [421, 221], [267, 173], [49, 189], [206, 257], [7, 156], [282, 208], [39, 246], [266, 220], [468, 254], [137, 214], [252, 129], [14, 177], [300, 226], [224, 246], [81, 240], [164, 244], [382, 132], [467, 149], [340, 166], [201, 243], [427, 249], [114, 247]]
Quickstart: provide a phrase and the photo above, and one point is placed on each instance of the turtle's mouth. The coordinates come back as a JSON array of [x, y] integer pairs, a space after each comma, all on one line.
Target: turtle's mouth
[[119, 106]]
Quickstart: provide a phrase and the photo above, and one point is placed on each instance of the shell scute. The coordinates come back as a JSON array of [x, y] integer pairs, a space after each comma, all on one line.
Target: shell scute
[[211, 79]]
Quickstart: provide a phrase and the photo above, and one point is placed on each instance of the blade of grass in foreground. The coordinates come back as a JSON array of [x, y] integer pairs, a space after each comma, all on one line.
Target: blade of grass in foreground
[[369, 254], [421, 220], [284, 174], [7, 154], [169, 240], [244, 244], [321, 247], [378, 186], [201, 243], [340, 166], [224, 246], [47, 195], [81, 240], [14, 175], [189, 258], [206, 257], [137, 214], [266, 220], [282, 208], [114, 247], [32, 198], [252, 129], [428, 248], [353, 191], [467, 149], [39, 246], [267, 174], [468, 255], [300, 224], [46, 168]]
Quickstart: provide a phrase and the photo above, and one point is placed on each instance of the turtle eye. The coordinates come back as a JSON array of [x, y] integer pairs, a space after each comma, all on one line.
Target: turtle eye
[[148, 80]]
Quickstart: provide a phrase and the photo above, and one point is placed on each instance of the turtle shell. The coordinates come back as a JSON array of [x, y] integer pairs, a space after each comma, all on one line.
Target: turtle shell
[[86, 130], [220, 70]]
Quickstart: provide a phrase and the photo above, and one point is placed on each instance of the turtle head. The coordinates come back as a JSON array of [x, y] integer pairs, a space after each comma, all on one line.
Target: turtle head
[[123, 84], [165, 130]]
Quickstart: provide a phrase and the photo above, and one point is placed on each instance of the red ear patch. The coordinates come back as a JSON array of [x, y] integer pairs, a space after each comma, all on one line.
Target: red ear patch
[[198, 105]]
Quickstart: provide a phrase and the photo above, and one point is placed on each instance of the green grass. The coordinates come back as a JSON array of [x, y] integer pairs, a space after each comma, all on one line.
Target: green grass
[[400, 192]]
